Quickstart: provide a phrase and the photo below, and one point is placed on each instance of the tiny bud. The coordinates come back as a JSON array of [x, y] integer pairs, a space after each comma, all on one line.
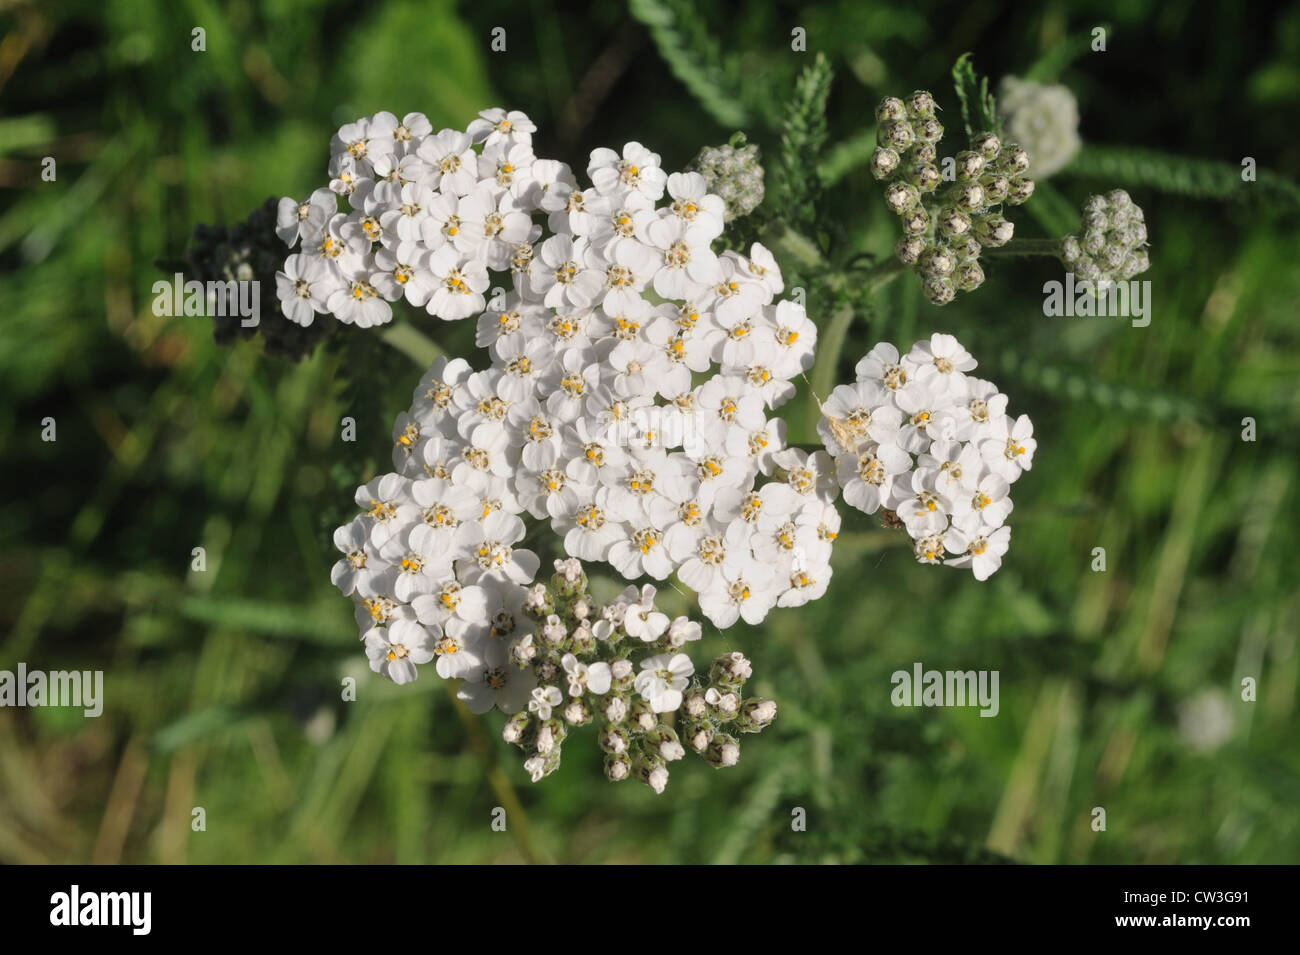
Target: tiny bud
[[891, 109], [1119, 199], [582, 639], [651, 771], [966, 247], [1071, 252], [538, 603], [755, 715], [954, 222], [996, 187], [517, 727], [1021, 190], [617, 767], [920, 105], [969, 197], [896, 135], [994, 231], [554, 631], [723, 751], [924, 152], [925, 176], [937, 259], [522, 651], [698, 736], [901, 197], [694, 704], [622, 674], [613, 739], [917, 221], [987, 145], [909, 249], [968, 276], [883, 162], [928, 130], [970, 165], [1013, 159], [937, 289], [642, 716]]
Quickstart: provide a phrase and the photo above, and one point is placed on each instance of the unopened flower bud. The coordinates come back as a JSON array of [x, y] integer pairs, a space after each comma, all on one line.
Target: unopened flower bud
[[970, 165], [925, 176], [901, 197], [908, 249], [937, 259], [994, 231], [954, 222], [554, 631], [693, 703], [583, 608], [937, 289], [987, 145], [890, 110], [665, 743], [896, 135], [969, 197], [1020, 191], [1094, 240], [1013, 159], [618, 767], [920, 105], [755, 715], [734, 173], [966, 247], [651, 771], [924, 152], [642, 716], [928, 130], [569, 579], [547, 671], [1071, 251], [917, 221], [883, 162], [523, 651], [996, 186], [968, 276], [582, 640], [613, 739], [698, 736], [723, 751]]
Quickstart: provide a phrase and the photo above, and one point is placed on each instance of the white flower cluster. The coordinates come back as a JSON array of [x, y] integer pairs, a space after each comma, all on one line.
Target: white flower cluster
[[595, 413], [1042, 117], [933, 447]]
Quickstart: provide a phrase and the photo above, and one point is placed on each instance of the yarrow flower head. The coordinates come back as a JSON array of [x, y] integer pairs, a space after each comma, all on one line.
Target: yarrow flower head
[[1044, 118], [733, 173], [1112, 246], [932, 448], [949, 210]]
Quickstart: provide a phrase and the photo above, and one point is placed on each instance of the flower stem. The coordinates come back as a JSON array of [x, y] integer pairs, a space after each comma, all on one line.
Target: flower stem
[[1050, 247]]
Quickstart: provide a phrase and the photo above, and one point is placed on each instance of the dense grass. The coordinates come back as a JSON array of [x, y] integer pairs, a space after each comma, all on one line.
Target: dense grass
[[222, 686]]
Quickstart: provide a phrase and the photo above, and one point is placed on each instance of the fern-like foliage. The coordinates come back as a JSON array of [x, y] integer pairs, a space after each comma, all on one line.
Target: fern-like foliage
[[803, 135], [693, 56], [1065, 51], [1199, 178], [978, 108]]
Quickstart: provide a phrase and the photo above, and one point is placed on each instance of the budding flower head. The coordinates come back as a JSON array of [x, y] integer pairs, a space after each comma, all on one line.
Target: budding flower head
[[970, 165], [896, 136], [755, 715], [987, 145], [538, 602], [614, 709], [901, 197], [928, 130], [1020, 191], [698, 736], [891, 109], [994, 231], [909, 248], [1044, 117], [883, 162], [613, 739], [577, 713], [651, 771], [725, 703], [937, 289], [618, 767], [570, 579], [968, 276], [1112, 246], [694, 704], [733, 172], [723, 751], [517, 728], [920, 105], [522, 651], [731, 669]]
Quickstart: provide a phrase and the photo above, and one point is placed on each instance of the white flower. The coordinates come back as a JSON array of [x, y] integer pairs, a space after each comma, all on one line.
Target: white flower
[[305, 287], [595, 677], [306, 219], [662, 679], [637, 169], [505, 687], [395, 651], [542, 699], [982, 552]]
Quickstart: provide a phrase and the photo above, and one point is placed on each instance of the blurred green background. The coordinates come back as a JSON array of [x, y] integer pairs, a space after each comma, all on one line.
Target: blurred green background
[[1119, 689]]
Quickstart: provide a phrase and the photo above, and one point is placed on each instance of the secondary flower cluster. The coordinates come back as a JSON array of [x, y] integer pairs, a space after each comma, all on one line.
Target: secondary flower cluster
[[624, 667], [933, 448], [947, 217], [734, 174], [1112, 246], [1044, 118]]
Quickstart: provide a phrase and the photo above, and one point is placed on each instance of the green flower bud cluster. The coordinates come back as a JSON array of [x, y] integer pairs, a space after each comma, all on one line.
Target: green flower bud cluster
[[714, 708], [946, 221], [1112, 246], [602, 653], [734, 173]]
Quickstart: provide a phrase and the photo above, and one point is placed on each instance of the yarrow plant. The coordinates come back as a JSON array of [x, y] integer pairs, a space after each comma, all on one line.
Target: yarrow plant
[[625, 413]]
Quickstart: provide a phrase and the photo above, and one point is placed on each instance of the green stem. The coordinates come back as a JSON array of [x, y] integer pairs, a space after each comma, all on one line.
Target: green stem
[[1050, 247]]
